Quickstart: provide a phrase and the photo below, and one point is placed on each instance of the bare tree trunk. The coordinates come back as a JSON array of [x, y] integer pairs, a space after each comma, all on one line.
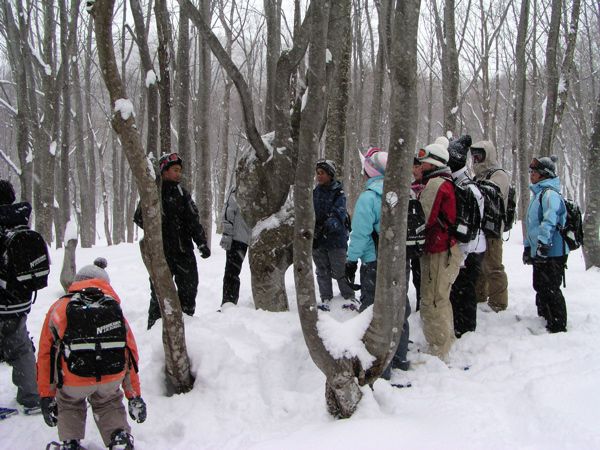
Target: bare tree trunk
[[164, 60], [69, 267], [182, 83], [86, 228], [203, 148], [339, 43], [383, 335], [567, 63], [519, 146], [90, 148], [63, 197], [342, 391], [16, 43], [591, 224], [176, 358], [273, 17], [149, 77], [446, 36], [552, 78], [223, 169]]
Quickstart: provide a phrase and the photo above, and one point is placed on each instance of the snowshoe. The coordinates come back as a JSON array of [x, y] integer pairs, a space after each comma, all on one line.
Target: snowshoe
[[32, 410], [351, 304], [72, 444], [324, 305], [121, 440], [7, 412]]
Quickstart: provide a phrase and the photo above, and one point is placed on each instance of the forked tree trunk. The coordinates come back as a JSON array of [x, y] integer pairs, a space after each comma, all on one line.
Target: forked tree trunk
[[342, 391], [177, 362]]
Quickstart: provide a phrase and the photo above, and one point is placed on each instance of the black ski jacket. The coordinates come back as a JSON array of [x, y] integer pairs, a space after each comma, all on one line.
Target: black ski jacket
[[180, 221]]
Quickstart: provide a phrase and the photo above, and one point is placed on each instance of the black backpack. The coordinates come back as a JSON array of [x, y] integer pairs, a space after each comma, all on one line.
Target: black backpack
[[468, 217], [415, 229], [25, 262], [493, 208], [510, 209], [95, 339], [572, 231]]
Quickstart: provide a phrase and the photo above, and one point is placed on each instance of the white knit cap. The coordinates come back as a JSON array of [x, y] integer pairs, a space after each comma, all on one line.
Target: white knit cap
[[91, 271], [437, 153]]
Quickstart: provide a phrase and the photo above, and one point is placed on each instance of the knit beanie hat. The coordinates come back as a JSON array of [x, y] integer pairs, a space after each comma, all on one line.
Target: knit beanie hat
[[457, 150], [7, 193], [545, 166], [168, 160], [95, 270], [327, 165], [375, 162], [436, 153]]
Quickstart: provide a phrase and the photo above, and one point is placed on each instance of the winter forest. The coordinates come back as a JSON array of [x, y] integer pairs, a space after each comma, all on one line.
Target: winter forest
[[251, 94]]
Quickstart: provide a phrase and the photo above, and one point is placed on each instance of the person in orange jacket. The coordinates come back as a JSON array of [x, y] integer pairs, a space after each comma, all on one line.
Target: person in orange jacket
[[64, 393]]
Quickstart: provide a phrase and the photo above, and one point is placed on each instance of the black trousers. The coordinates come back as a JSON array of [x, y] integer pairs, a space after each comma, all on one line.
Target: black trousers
[[233, 267], [415, 267], [548, 275], [185, 274], [463, 296]]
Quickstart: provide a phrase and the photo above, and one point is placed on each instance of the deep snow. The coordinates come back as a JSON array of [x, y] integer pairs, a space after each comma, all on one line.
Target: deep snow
[[257, 388]]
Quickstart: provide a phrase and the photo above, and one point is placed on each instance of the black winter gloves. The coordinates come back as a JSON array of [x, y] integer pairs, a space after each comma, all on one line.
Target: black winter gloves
[[204, 251], [351, 267], [527, 259], [542, 251], [49, 410], [137, 409]]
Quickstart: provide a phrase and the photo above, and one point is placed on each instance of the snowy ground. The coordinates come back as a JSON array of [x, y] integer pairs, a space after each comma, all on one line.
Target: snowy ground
[[257, 388]]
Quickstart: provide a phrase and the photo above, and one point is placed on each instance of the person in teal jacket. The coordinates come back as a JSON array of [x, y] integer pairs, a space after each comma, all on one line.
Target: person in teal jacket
[[365, 227], [544, 246]]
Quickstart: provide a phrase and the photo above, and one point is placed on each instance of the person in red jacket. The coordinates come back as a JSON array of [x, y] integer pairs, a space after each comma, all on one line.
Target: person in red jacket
[[64, 393], [440, 262]]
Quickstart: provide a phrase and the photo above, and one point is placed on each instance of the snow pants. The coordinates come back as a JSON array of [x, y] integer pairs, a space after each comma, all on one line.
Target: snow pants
[[547, 278], [492, 286], [108, 410], [17, 350], [438, 272], [233, 268], [331, 264], [463, 297], [185, 274]]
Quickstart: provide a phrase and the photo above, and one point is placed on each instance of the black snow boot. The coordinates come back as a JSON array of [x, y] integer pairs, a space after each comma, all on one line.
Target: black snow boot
[[121, 440]]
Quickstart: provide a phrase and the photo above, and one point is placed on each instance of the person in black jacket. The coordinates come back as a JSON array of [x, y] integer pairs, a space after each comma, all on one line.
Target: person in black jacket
[[15, 303], [331, 236], [180, 229]]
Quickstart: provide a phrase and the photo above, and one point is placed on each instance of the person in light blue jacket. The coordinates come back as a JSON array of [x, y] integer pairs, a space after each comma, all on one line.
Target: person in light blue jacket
[[365, 227], [544, 246]]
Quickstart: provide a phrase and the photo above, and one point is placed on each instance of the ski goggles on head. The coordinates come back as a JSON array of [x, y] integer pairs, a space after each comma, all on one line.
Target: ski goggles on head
[[478, 154], [423, 153]]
